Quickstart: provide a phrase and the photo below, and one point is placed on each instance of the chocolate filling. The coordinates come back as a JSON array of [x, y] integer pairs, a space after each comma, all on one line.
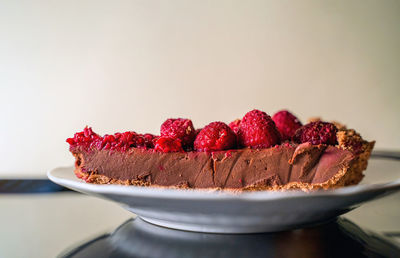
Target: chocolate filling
[[280, 165]]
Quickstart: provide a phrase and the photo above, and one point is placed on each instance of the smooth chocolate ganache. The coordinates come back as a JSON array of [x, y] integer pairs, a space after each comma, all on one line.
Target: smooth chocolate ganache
[[292, 166]]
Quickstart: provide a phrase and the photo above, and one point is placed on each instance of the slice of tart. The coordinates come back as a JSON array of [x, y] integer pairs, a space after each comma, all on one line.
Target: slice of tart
[[256, 152]]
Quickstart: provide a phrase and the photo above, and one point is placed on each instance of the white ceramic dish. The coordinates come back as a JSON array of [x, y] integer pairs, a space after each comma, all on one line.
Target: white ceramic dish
[[249, 212]]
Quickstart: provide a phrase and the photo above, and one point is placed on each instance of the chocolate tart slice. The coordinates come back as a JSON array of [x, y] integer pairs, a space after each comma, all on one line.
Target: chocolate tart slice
[[281, 167]]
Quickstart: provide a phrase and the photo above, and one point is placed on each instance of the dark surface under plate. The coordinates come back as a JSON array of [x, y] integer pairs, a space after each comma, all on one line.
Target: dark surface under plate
[[137, 238]]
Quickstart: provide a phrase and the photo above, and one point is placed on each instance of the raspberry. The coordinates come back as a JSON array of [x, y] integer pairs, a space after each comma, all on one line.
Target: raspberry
[[106, 142], [286, 123], [258, 130], [179, 128], [87, 138], [234, 125], [149, 140], [198, 130], [118, 141], [215, 137], [316, 133], [122, 141], [168, 144]]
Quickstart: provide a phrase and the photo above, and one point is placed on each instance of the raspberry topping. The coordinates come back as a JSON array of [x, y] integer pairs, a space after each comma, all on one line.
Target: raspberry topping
[[258, 130], [215, 137], [179, 128], [87, 138], [286, 123], [149, 140], [122, 141], [198, 130], [168, 144], [316, 133], [234, 125], [118, 141]]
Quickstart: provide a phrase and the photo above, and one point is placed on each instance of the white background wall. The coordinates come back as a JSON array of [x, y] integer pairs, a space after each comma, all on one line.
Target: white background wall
[[129, 65]]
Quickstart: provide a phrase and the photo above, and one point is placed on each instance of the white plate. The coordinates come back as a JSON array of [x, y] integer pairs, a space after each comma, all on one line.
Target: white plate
[[249, 212]]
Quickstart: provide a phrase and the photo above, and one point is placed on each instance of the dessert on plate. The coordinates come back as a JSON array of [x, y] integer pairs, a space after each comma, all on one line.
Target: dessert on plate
[[257, 152]]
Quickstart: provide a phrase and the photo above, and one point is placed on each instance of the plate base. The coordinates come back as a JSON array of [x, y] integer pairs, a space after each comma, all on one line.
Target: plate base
[[229, 229]]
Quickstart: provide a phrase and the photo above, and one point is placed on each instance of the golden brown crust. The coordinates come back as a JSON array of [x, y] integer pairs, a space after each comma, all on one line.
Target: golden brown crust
[[348, 139]]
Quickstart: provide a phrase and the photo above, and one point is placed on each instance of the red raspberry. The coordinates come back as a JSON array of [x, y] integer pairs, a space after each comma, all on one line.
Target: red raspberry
[[121, 141], [198, 130], [118, 141], [215, 137], [179, 128], [149, 140], [258, 130], [316, 133], [234, 125], [106, 142], [168, 144], [286, 123], [86, 139]]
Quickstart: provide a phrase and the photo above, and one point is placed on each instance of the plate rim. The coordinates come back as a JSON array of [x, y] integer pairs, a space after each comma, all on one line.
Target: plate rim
[[212, 194]]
